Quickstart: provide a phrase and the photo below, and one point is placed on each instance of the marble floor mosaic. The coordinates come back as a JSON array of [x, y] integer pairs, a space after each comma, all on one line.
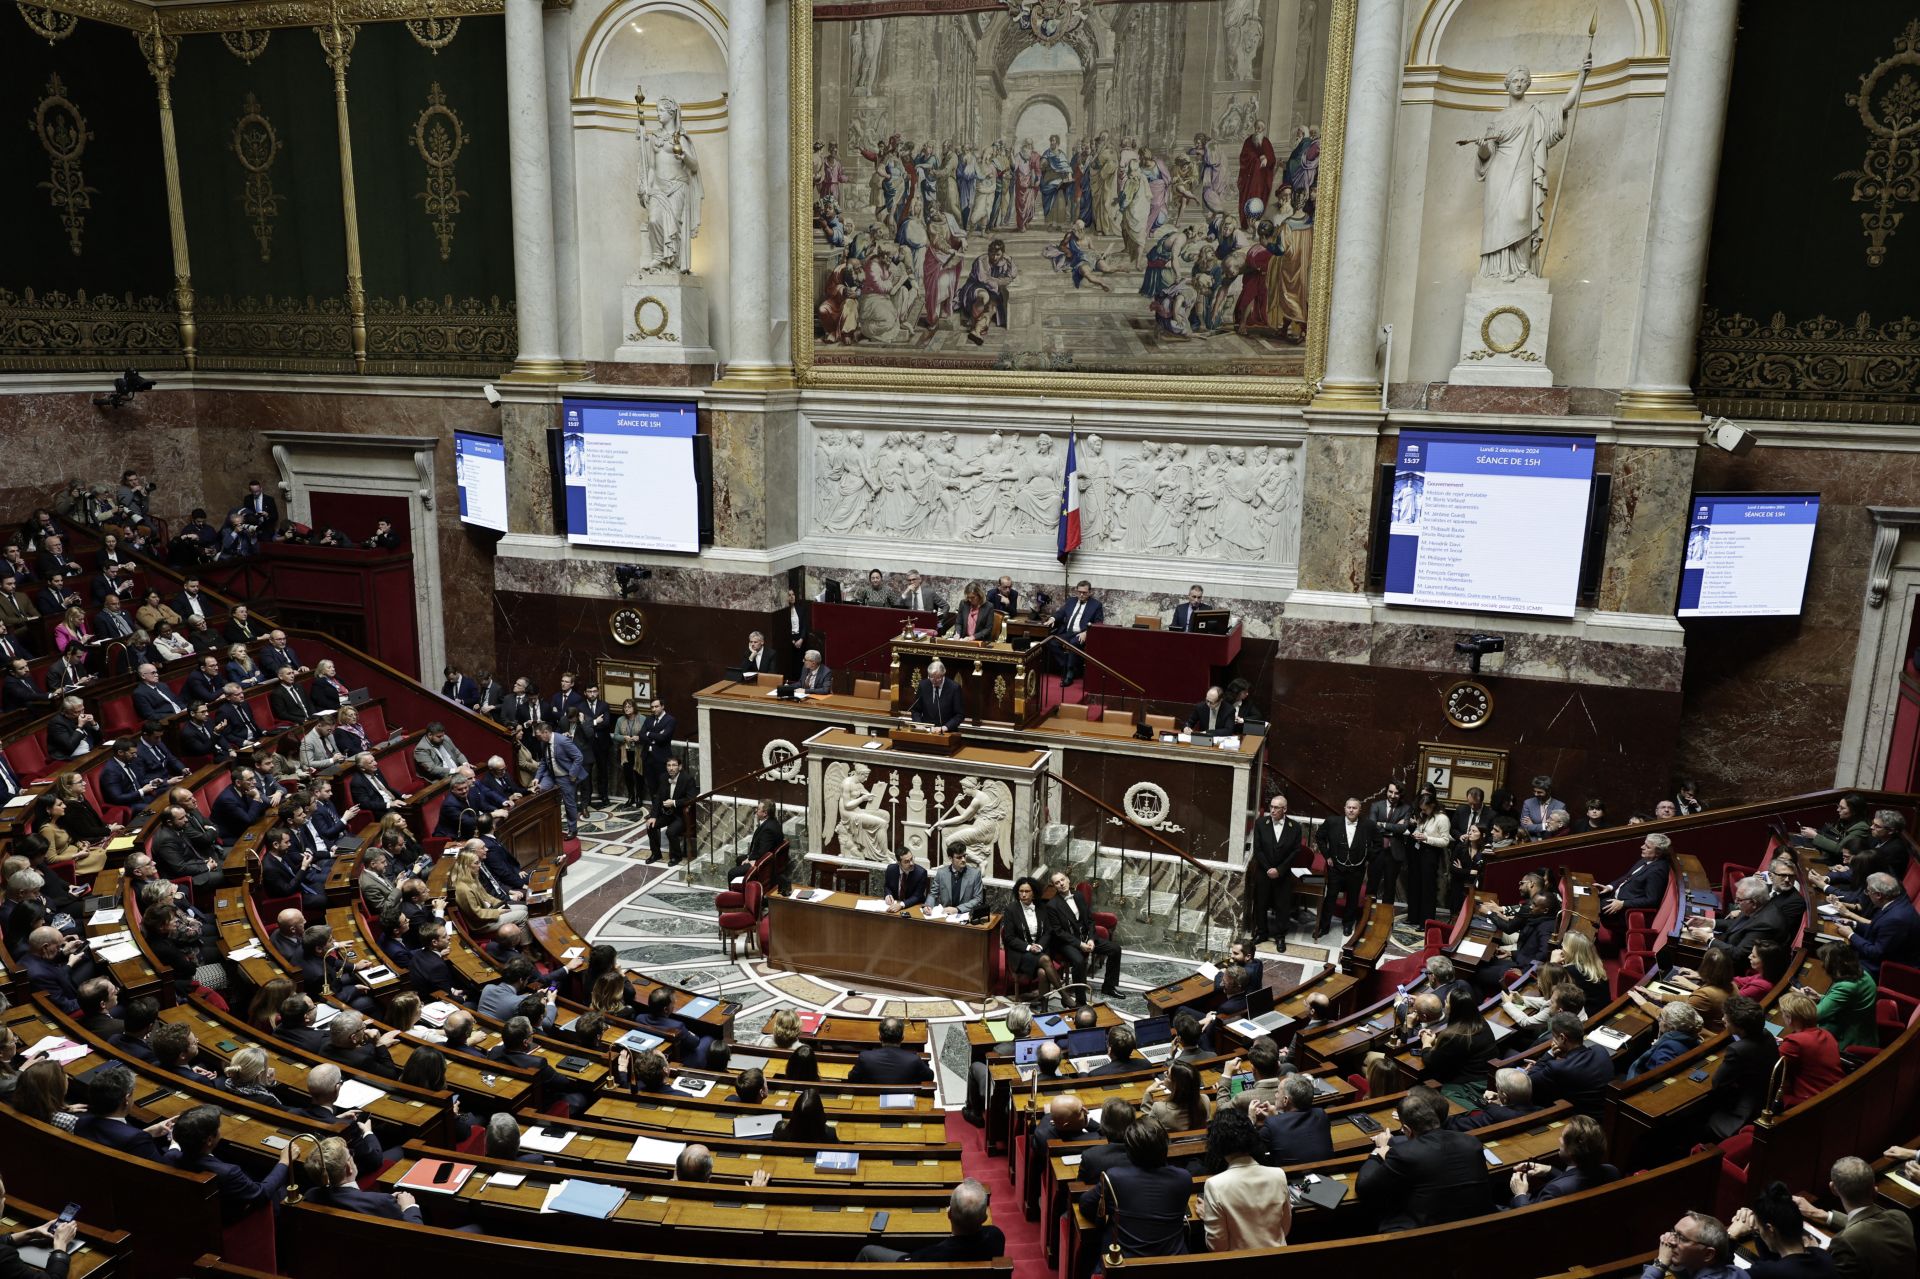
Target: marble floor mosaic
[[664, 926]]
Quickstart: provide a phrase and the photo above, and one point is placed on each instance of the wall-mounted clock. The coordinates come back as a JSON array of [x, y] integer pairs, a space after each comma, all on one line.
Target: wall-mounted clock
[[629, 626], [1468, 704]]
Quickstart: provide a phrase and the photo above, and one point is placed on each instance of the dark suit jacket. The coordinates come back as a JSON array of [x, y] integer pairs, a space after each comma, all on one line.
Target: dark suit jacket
[[1067, 926], [1095, 614], [1643, 885], [156, 762], [373, 1202], [1008, 603], [983, 623], [1436, 1177], [1183, 615], [199, 739], [156, 701], [946, 707], [817, 680], [1580, 1078], [64, 736], [1216, 720], [21, 692], [1737, 933], [1275, 853], [120, 1135], [1893, 933], [430, 972], [890, 1064], [1298, 1137], [656, 738], [1740, 1084], [201, 687], [234, 812], [1146, 1207], [120, 785], [290, 705], [1332, 841], [911, 893], [239, 1193], [767, 836], [1567, 1181], [364, 793], [53, 977], [762, 662], [1015, 937], [462, 690], [271, 659], [680, 790], [235, 722]]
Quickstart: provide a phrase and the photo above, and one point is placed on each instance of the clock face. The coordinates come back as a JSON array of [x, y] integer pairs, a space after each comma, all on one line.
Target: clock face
[[629, 626], [1468, 704]]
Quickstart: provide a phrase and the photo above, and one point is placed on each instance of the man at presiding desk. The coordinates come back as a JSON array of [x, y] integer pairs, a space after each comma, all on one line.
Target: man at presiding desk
[[939, 700]]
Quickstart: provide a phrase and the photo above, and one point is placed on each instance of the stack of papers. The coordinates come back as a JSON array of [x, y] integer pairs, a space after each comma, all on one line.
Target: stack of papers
[[1471, 949], [586, 1199], [355, 1095], [437, 1012], [23, 799], [698, 1007], [252, 950], [112, 915], [59, 1050], [539, 1139], [659, 1154], [871, 903]]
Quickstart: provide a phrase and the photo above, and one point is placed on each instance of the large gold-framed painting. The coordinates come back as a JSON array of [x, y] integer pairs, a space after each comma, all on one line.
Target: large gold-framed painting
[[1067, 196]]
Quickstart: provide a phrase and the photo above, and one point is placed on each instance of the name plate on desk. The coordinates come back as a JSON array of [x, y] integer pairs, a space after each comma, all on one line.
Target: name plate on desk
[[936, 743]]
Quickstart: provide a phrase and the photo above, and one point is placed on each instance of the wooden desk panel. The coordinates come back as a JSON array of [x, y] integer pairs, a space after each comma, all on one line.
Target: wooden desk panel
[[1167, 664], [905, 951]]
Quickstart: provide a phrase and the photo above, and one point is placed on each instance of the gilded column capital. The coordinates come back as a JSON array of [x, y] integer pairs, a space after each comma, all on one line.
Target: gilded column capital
[[162, 52]]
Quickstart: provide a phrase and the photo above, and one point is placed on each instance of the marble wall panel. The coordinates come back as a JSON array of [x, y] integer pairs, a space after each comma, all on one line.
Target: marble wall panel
[[54, 438], [740, 478], [1646, 528], [1334, 517]]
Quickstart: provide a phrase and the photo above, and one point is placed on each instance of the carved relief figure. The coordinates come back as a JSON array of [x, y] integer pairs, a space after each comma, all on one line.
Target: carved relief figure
[[982, 819], [855, 811]]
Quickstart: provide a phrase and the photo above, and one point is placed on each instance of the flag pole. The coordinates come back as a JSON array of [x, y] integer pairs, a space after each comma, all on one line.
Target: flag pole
[[1566, 152]]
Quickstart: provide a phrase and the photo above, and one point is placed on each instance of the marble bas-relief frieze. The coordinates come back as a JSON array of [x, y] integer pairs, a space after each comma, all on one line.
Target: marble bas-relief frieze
[[1225, 501]]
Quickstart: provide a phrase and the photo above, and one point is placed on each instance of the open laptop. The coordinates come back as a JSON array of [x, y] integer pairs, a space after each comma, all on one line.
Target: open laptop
[[1260, 1011], [1154, 1038], [1027, 1051], [1087, 1049], [755, 1125]]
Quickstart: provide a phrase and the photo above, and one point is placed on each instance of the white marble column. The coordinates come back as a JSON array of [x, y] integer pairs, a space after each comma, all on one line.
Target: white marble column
[[531, 178], [1680, 222], [566, 227], [750, 288], [1352, 378], [779, 186]]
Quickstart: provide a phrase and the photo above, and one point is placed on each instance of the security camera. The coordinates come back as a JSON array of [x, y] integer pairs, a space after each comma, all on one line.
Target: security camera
[[493, 396], [629, 576], [125, 387], [1478, 646], [1728, 438]]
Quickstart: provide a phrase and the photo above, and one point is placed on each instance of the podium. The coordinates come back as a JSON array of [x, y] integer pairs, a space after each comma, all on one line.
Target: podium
[[1002, 685]]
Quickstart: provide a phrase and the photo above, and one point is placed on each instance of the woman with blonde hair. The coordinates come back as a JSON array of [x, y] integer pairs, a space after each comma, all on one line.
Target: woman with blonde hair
[[72, 630], [784, 1028], [611, 994], [240, 667], [1583, 965], [483, 911], [349, 739], [83, 820], [249, 1075]]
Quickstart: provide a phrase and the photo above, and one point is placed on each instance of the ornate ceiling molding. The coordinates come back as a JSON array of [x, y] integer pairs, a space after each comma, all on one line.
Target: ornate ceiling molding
[[245, 15]]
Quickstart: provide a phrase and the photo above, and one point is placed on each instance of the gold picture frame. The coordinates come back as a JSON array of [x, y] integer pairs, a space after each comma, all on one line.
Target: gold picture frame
[[1284, 390]]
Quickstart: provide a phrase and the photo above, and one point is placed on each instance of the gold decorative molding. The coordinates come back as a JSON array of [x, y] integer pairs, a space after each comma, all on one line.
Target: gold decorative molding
[[1890, 112], [51, 25], [246, 45], [162, 52], [438, 136], [311, 335], [433, 32], [1821, 369], [56, 330], [64, 135], [256, 145], [205, 17], [423, 337], [337, 38]]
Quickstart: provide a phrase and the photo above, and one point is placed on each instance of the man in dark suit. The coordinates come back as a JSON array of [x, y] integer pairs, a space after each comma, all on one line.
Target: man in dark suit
[[460, 688], [428, 967], [1344, 843], [233, 721], [1755, 917], [919, 597], [957, 886], [1472, 813], [259, 512], [939, 700], [120, 783], [1076, 942], [891, 1062], [1510, 1097], [1299, 1132], [1121, 1057], [815, 678], [1183, 613], [323, 1091], [190, 603], [906, 881], [1144, 1200], [184, 852], [108, 582], [152, 699], [11, 645], [242, 804], [1642, 886], [515, 1049], [138, 1017], [1892, 933], [55, 597], [199, 737], [596, 723], [109, 1094], [1066, 1120], [656, 743], [11, 783], [206, 684], [198, 1134], [1433, 1177], [73, 732], [112, 621], [1213, 716], [1572, 1070], [153, 760], [758, 659], [1743, 1080], [1003, 597], [522, 706], [558, 707], [19, 690], [460, 810], [66, 672], [288, 703], [341, 1192], [667, 814], [1276, 850], [55, 965], [279, 653], [1070, 626], [368, 789]]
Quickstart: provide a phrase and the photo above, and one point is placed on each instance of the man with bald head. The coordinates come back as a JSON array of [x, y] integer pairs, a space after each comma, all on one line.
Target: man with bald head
[[188, 849], [323, 1090], [56, 964], [289, 930], [1066, 1120], [972, 1238], [153, 699]]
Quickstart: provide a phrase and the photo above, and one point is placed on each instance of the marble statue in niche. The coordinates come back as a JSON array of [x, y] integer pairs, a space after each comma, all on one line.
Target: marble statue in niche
[[1220, 501], [669, 187], [1510, 157], [982, 819]]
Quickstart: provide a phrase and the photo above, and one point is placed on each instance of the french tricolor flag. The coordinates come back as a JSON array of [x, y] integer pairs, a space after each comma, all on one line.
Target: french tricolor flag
[[1070, 503]]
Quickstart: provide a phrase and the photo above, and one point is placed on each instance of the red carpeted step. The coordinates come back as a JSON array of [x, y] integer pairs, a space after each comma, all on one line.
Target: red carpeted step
[[1026, 1249]]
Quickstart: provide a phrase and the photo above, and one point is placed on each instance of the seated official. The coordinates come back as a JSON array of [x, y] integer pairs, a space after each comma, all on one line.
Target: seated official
[[972, 1238], [758, 659], [815, 678], [1299, 1132], [975, 619], [681, 1042], [1572, 1070], [1121, 1059], [1510, 1097], [1244, 1203], [206, 684], [500, 1000], [234, 725], [324, 969], [1212, 716], [939, 700], [1070, 626], [1065, 1120], [428, 967], [906, 882], [671, 799], [19, 690], [1743, 1080], [1434, 1176], [198, 1135], [1754, 917], [891, 1062], [1869, 1238], [436, 755], [1698, 1247], [1142, 1203], [154, 760], [1891, 932], [1643, 885], [109, 1097], [120, 783], [1026, 932], [516, 1049], [957, 886], [1076, 942], [332, 1173], [1680, 1028], [56, 964], [242, 804], [875, 593], [1583, 1166], [919, 596], [1811, 1054], [323, 1090], [1196, 601], [287, 701], [152, 699]]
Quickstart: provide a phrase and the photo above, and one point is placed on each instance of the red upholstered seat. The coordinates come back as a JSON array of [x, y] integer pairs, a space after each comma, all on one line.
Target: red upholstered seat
[[28, 756], [249, 1241], [117, 716], [1359, 1083], [570, 849], [746, 919]]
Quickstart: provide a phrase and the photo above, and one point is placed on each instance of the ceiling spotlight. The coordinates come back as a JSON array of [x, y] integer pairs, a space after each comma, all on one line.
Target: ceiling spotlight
[[125, 387]]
